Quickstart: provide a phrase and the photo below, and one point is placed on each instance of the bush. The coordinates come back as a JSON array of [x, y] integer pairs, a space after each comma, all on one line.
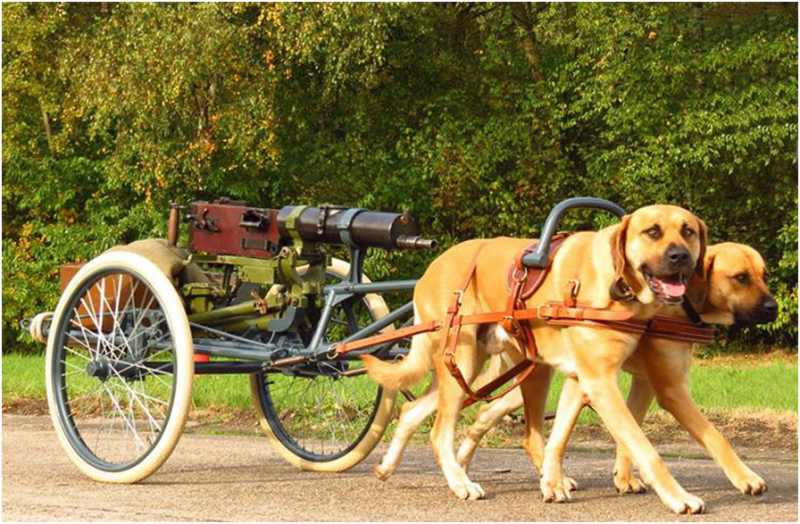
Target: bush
[[477, 118]]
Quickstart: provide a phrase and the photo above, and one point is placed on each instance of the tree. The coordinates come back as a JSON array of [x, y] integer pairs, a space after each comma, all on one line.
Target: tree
[[475, 117]]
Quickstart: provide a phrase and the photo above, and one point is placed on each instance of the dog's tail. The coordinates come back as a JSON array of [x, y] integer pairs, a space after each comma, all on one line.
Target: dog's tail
[[412, 369]]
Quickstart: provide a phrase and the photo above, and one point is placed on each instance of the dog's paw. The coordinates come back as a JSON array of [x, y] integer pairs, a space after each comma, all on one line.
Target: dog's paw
[[686, 504], [468, 491], [750, 484], [382, 472], [629, 484], [557, 490], [569, 484]]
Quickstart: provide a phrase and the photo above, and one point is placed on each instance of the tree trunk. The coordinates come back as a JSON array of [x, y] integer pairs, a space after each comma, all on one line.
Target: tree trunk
[[47, 129], [524, 18]]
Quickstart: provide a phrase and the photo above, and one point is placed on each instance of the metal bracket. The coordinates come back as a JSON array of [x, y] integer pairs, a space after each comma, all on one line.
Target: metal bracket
[[324, 214], [291, 222], [344, 226], [540, 257]]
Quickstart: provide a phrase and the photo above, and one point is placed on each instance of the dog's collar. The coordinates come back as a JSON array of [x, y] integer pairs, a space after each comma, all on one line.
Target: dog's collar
[[627, 293], [691, 312]]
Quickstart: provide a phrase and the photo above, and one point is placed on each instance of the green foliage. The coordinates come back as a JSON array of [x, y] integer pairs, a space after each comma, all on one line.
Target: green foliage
[[475, 117], [781, 282]]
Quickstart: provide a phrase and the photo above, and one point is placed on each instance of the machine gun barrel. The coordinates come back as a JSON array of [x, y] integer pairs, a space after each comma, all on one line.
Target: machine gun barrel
[[351, 226], [415, 242]]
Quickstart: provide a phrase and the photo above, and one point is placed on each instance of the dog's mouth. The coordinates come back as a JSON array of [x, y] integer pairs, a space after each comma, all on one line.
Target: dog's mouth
[[670, 288]]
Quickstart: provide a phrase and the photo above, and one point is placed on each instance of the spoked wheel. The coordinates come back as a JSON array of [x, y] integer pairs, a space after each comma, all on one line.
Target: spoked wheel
[[119, 368], [318, 419]]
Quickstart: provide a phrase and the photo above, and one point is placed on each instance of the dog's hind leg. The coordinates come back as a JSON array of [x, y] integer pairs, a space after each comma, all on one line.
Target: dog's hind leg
[[488, 417], [534, 392], [504, 356], [451, 398], [639, 400], [411, 416]]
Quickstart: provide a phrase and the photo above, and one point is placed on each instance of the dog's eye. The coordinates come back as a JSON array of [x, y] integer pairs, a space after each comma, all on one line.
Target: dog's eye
[[654, 232], [687, 232], [742, 278]]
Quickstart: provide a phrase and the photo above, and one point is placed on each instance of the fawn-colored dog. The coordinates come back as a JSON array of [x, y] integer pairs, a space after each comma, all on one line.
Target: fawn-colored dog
[[640, 265], [733, 290]]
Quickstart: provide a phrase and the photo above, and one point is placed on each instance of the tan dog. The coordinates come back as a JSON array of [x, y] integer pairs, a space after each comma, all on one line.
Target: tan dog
[[733, 290], [648, 258]]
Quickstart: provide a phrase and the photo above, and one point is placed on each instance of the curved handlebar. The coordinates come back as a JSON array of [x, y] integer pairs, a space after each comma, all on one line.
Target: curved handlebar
[[540, 257]]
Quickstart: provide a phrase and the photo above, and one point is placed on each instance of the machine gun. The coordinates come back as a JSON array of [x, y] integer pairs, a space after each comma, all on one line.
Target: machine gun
[[261, 251], [227, 227]]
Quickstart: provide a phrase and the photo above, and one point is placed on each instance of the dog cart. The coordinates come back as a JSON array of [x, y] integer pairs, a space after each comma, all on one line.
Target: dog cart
[[256, 293]]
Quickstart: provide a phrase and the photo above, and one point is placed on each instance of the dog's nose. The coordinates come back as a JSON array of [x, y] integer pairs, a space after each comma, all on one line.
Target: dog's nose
[[678, 256], [770, 308]]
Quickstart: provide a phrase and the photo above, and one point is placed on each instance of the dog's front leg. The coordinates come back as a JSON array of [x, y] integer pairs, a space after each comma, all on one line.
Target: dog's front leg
[[669, 375], [639, 400], [597, 361], [554, 485]]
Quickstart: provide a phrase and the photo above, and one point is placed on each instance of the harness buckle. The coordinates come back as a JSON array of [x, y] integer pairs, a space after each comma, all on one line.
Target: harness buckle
[[460, 294], [521, 278], [575, 287], [541, 315], [510, 325]]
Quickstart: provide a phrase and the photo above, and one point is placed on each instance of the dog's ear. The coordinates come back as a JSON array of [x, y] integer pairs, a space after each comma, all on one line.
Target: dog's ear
[[703, 234], [620, 289], [700, 282]]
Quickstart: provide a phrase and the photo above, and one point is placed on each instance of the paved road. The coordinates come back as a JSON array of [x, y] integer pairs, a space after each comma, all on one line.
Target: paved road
[[239, 478]]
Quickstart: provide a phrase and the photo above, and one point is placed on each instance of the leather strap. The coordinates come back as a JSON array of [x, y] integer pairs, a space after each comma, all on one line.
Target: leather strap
[[691, 312], [680, 329], [397, 334], [523, 333], [532, 278], [508, 321], [519, 373], [450, 338]]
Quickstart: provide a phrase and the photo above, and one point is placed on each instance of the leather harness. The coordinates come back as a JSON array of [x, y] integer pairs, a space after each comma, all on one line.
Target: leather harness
[[522, 283]]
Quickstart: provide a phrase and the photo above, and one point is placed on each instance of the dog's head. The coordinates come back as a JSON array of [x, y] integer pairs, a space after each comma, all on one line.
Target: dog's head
[[655, 251], [733, 286]]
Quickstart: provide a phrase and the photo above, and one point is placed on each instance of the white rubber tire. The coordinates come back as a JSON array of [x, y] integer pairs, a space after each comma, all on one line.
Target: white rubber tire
[[181, 333], [383, 415]]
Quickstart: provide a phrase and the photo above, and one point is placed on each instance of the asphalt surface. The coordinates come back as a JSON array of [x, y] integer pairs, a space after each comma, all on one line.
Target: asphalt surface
[[229, 478]]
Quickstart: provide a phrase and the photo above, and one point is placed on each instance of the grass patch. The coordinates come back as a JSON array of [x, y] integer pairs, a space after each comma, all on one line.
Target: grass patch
[[726, 385], [23, 377]]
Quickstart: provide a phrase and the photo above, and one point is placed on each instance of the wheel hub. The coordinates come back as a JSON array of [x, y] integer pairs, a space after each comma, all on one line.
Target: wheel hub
[[99, 369]]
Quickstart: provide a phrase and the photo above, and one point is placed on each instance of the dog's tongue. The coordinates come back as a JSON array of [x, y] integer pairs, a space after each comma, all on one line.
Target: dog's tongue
[[672, 290]]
